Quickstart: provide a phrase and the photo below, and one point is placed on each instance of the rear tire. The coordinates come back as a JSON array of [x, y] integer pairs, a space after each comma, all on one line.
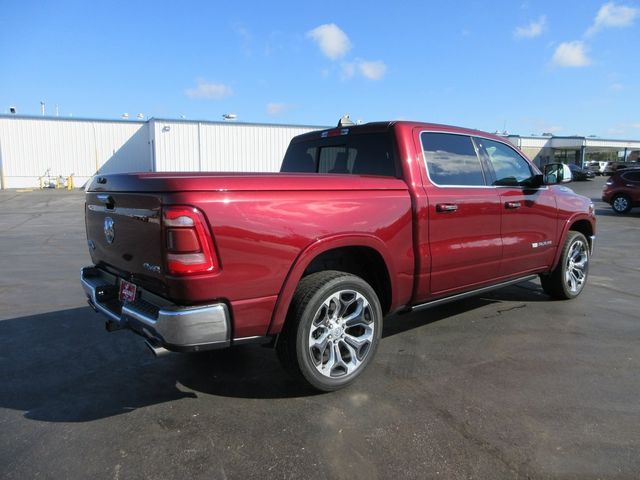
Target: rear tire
[[569, 277], [621, 203], [332, 330]]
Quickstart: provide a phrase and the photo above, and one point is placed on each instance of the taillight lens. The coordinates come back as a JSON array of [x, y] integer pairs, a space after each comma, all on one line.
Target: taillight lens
[[189, 245]]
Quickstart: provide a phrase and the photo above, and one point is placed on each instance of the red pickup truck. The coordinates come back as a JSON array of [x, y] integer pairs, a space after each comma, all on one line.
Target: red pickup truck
[[363, 221]]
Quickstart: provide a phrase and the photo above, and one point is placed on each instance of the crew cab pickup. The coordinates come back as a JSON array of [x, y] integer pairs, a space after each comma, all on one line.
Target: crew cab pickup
[[362, 222]]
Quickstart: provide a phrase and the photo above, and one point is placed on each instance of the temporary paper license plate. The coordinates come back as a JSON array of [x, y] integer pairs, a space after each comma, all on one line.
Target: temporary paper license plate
[[127, 291]]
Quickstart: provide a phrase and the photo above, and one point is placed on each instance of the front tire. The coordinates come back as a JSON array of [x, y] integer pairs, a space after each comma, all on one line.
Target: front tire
[[332, 330], [569, 277]]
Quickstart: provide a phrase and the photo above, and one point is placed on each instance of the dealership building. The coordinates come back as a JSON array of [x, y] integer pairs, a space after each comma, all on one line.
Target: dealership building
[[575, 149], [34, 151]]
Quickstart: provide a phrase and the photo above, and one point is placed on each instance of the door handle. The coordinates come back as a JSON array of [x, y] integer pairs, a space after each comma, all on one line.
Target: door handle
[[446, 207], [512, 205]]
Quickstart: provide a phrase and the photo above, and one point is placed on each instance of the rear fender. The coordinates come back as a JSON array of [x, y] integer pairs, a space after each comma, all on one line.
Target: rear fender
[[305, 258]]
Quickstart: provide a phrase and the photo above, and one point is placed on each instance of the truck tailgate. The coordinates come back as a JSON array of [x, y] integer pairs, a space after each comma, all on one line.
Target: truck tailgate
[[124, 234]]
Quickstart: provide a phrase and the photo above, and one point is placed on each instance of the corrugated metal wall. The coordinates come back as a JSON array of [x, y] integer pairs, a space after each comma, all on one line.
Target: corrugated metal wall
[[221, 147], [32, 147]]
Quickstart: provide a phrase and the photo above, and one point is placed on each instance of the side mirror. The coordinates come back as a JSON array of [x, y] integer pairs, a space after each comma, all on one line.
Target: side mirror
[[557, 173]]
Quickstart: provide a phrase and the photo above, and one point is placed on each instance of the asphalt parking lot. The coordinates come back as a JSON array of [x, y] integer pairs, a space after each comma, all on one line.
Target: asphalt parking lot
[[509, 385]]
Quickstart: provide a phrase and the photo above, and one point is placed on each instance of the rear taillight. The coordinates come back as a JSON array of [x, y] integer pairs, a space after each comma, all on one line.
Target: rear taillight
[[189, 245]]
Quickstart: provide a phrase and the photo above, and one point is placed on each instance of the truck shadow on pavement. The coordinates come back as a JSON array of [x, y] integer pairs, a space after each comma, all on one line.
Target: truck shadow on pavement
[[63, 367], [608, 212]]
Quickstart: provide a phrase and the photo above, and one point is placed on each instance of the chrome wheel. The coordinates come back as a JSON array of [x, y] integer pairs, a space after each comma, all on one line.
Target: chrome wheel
[[576, 267], [341, 334]]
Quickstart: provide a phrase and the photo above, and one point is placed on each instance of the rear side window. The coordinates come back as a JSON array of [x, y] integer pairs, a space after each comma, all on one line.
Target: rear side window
[[362, 154], [452, 160]]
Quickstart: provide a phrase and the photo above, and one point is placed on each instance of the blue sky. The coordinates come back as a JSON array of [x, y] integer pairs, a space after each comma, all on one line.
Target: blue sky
[[570, 67]]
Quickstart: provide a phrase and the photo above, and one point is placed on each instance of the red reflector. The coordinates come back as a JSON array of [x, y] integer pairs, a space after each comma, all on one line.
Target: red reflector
[[189, 243]]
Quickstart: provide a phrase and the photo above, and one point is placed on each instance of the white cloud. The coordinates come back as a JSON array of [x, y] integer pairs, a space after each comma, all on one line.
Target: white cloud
[[571, 54], [534, 29], [371, 70], [624, 129], [276, 108], [348, 69], [616, 87], [209, 91], [245, 36], [331, 40], [611, 15]]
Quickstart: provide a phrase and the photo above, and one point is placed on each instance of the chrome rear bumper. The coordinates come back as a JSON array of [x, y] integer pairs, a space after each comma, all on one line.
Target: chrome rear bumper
[[163, 323]]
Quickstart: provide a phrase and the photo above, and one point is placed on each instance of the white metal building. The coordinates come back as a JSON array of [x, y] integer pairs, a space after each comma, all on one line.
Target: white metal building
[[180, 145], [36, 148]]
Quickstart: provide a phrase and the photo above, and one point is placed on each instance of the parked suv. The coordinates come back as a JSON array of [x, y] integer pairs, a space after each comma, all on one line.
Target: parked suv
[[613, 167], [597, 167], [622, 190]]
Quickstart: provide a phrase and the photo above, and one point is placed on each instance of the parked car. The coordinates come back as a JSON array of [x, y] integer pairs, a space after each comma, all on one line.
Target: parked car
[[610, 168], [613, 167], [622, 190], [580, 173], [597, 167], [363, 221]]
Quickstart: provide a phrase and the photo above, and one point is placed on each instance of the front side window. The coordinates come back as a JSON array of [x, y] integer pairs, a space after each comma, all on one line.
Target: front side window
[[451, 160], [510, 168]]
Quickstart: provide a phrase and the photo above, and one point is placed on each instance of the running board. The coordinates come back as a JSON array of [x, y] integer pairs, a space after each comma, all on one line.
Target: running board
[[472, 293]]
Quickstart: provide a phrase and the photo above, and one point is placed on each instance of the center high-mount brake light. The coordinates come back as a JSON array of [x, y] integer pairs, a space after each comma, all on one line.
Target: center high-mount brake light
[[189, 245]]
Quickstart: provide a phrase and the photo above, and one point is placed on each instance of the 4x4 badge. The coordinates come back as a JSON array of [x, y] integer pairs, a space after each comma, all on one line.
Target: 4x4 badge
[[109, 230]]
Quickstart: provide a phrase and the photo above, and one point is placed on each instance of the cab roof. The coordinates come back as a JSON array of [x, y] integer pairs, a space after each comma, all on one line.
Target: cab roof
[[376, 127]]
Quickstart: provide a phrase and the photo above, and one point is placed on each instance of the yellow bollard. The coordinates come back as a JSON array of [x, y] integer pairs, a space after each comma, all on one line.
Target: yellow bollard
[[57, 182], [70, 182]]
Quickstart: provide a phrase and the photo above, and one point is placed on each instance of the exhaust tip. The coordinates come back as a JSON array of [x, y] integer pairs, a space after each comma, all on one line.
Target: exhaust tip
[[157, 350]]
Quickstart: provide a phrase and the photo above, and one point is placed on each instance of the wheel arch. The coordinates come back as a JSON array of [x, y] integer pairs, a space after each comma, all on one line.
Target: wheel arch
[[578, 223], [362, 255]]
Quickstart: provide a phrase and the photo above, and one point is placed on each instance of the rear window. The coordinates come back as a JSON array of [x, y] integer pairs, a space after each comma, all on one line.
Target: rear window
[[452, 160], [363, 154]]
